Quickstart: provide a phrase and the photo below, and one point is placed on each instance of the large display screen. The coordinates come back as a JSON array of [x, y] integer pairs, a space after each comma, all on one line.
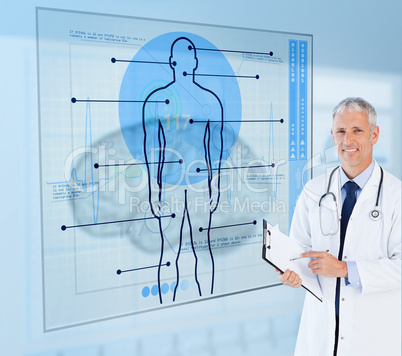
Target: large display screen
[[163, 146]]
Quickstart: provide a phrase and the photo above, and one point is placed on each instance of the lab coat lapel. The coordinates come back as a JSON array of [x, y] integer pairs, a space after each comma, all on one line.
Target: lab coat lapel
[[369, 191], [335, 187]]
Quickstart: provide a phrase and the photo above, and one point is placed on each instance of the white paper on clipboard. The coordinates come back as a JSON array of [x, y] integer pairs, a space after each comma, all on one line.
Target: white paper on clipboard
[[280, 251]]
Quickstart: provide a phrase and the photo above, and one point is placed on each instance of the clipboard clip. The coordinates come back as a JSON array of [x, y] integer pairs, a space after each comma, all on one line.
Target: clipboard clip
[[269, 243], [265, 237]]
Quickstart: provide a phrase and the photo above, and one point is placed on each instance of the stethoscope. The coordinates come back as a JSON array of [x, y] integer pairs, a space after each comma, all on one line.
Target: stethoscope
[[374, 214]]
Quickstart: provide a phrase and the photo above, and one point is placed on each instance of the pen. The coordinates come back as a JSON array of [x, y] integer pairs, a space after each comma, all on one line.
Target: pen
[[298, 258]]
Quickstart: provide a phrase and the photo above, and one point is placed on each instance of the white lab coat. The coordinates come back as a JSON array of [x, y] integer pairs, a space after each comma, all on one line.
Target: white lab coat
[[370, 320]]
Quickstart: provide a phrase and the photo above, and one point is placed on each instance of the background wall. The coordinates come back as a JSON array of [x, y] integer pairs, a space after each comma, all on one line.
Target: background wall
[[357, 51]]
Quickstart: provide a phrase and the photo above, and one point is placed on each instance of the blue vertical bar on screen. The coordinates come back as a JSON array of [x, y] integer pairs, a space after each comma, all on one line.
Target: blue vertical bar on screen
[[302, 139], [298, 96], [293, 129], [293, 79]]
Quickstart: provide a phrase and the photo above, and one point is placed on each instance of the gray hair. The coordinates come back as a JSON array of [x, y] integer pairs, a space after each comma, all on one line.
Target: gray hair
[[360, 105]]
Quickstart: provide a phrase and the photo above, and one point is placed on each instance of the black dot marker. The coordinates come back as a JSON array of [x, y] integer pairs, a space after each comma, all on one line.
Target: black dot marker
[[281, 121], [167, 101], [118, 271], [73, 100], [200, 229], [191, 121], [198, 170], [257, 77], [113, 60], [96, 165], [185, 74], [63, 227], [168, 263], [174, 63], [273, 165], [173, 215], [181, 161], [254, 222]]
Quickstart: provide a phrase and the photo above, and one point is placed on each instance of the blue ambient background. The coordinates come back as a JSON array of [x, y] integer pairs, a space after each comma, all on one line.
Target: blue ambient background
[[356, 52]]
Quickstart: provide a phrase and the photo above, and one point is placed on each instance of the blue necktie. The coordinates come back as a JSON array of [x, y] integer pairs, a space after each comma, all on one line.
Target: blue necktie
[[347, 209]]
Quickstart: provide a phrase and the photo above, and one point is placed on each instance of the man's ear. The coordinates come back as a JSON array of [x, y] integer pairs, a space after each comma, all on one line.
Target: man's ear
[[374, 135]]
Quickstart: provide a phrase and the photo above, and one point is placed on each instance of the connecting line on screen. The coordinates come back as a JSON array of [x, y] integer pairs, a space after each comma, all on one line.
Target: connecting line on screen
[[198, 170], [227, 121], [201, 229], [97, 165], [234, 51], [75, 100], [114, 60], [222, 75], [119, 271], [64, 227]]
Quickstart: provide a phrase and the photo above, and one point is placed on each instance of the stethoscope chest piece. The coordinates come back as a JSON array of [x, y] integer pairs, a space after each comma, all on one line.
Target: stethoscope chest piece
[[375, 214]]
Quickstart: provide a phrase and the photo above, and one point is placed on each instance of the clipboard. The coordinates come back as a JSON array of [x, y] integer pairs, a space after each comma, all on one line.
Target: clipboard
[[283, 253]]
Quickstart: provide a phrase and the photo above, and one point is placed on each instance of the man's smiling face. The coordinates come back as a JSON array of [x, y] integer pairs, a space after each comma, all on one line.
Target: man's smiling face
[[354, 141]]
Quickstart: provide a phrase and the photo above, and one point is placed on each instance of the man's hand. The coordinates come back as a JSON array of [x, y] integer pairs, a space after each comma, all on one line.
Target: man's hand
[[324, 264], [290, 278]]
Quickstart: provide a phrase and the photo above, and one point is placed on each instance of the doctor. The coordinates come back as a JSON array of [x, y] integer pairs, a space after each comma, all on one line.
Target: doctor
[[360, 276]]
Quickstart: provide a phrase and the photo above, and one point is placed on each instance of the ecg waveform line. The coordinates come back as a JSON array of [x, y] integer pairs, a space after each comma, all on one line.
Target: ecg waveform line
[[88, 131], [263, 161], [271, 142], [271, 149], [89, 158]]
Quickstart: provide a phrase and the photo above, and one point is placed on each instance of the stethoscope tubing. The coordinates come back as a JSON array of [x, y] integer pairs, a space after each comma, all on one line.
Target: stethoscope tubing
[[374, 214], [333, 195]]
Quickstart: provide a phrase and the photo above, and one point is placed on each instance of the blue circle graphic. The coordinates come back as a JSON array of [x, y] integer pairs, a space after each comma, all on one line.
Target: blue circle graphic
[[145, 292], [173, 286], [155, 290], [184, 285], [165, 288], [152, 80]]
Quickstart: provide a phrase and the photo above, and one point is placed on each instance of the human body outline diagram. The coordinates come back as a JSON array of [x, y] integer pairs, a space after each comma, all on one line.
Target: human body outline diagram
[[183, 148]]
